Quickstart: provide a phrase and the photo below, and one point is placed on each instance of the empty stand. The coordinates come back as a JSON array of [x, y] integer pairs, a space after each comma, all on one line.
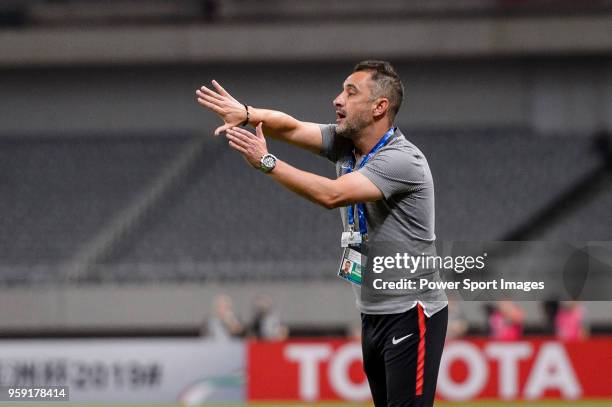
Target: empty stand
[[222, 220]]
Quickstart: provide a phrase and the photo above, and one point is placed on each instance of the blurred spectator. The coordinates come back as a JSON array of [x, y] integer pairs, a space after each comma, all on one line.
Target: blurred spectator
[[570, 322], [457, 324], [224, 324], [506, 321], [266, 321]]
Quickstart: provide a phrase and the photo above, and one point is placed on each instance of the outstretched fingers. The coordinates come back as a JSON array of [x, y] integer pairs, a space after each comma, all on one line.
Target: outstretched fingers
[[210, 105], [209, 98], [238, 138], [237, 147], [204, 91], [223, 128], [242, 132], [220, 88]]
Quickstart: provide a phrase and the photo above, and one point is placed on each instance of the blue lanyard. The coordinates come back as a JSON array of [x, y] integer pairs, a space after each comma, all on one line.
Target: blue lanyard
[[363, 229]]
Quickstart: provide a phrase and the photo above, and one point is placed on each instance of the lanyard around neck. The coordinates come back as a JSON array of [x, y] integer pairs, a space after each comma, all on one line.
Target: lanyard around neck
[[363, 229]]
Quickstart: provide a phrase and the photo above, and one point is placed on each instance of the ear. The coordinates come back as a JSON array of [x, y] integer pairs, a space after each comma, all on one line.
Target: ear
[[380, 107]]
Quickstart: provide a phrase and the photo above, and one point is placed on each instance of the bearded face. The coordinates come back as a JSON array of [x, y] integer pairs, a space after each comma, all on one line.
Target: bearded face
[[354, 106], [352, 123]]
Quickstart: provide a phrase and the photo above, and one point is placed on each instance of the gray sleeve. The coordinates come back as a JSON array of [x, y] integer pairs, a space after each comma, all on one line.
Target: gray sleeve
[[328, 132], [395, 171], [334, 146]]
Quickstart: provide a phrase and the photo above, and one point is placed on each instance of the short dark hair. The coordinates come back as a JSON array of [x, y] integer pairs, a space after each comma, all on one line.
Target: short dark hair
[[387, 82]]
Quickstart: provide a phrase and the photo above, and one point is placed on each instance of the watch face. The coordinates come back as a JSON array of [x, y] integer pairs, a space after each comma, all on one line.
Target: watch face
[[268, 161]]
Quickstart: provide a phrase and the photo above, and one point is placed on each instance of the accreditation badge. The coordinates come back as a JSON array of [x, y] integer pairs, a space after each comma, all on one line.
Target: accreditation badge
[[351, 266]]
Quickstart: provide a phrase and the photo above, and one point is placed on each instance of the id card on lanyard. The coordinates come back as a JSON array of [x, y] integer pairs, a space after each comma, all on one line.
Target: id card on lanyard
[[351, 267]]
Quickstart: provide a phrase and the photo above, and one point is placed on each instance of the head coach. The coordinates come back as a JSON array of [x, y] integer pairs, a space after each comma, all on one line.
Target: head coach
[[385, 191]]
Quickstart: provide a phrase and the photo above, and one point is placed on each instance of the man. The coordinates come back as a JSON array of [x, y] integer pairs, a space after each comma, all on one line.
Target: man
[[346, 270], [223, 324], [388, 180]]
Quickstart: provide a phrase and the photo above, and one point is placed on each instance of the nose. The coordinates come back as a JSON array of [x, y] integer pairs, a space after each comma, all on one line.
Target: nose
[[338, 101]]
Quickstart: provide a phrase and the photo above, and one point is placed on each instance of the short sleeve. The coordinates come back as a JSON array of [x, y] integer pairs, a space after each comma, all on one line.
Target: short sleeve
[[396, 171], [333, 146]]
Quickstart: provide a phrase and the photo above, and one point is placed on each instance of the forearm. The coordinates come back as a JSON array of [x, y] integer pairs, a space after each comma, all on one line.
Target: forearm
[[330, 193], [286, 128], [318, 189], [276, 124]]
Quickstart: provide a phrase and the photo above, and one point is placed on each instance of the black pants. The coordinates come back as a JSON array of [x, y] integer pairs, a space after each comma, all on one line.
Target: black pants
[[401, 356]]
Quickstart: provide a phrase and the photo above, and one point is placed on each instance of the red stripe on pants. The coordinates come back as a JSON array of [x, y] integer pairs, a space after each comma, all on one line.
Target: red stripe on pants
[[421, 352]]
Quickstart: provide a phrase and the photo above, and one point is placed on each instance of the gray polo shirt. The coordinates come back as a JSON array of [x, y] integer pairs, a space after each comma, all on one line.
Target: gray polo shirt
[[406, 214]]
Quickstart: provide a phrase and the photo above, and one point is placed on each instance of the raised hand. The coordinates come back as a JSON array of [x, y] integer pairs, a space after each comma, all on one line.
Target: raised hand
[[251, 146], [232, 112]]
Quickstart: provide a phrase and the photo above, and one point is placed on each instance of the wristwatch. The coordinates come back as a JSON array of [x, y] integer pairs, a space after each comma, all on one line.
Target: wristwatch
[[267, 163]]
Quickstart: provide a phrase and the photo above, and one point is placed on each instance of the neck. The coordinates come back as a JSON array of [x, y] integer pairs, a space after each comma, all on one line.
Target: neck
[[369, 136]]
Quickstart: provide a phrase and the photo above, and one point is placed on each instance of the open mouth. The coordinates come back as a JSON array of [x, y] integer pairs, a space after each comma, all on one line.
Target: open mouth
[[340, 116]]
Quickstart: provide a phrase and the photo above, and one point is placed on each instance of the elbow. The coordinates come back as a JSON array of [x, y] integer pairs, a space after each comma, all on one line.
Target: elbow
[[331, 201], [327, 205], [331, 195]]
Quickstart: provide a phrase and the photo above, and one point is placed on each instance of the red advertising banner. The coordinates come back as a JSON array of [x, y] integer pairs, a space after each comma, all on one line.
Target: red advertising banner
[[320, 370]]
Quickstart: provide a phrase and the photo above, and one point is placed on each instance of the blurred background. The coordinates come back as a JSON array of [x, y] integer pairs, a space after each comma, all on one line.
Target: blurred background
[[128, 230]]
